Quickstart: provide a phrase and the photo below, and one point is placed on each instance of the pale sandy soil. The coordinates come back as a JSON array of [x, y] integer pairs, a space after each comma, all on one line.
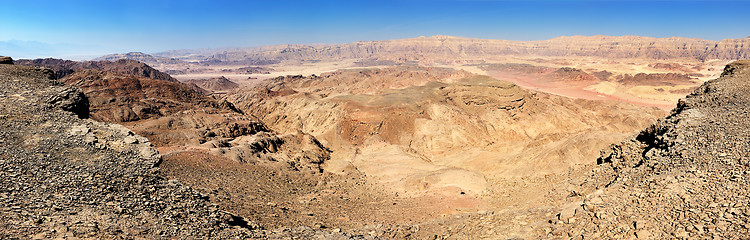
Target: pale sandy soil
[[590, 91], [394, 184], [654, 96], [283, 69]]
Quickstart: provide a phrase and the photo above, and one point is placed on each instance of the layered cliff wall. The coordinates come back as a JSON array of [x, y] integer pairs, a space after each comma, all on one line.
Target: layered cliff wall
[[447, 47]]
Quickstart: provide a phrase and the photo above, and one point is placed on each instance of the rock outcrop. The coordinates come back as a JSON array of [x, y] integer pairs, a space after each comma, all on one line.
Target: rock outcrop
[[63, 68], [685, 176], [424, 129], [6, 60], [217, 84], [174, 114], [656, 79], [62, 176]]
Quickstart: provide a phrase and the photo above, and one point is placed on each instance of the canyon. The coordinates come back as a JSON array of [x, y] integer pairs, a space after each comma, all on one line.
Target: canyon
[[425, 138]]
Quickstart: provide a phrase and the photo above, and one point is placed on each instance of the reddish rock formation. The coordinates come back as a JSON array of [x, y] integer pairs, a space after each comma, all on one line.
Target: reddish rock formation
[[656, 79], [64, 68], [124, 98], [214, 84]]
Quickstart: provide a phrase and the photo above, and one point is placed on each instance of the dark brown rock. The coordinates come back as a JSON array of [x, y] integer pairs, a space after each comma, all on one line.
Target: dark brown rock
[[214, 84], [6, 60], [64, 68]]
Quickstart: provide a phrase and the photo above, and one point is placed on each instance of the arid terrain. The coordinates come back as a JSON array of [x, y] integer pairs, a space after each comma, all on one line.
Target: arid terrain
[[641, 70], [425, 138]]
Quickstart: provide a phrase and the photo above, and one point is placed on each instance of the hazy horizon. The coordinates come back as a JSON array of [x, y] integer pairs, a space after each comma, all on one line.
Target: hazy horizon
[[85, 29]]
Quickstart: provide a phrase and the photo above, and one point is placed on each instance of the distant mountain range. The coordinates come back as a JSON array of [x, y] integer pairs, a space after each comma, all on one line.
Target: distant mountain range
[[447, 48]]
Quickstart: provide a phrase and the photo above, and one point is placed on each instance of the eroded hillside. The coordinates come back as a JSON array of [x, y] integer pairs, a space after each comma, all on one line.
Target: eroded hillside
[[639, 70], [390, 152], [67, 177], [472, 143], [686, 176], [443, 124]]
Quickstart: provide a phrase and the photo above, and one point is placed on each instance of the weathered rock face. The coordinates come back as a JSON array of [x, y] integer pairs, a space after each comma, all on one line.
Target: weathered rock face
[[124, 98], [6, 60], [63, 68], [446, 49], [214, 84], [686, 176], [424, 129], [173, 114], [70, 99], [730, 49], [66, 177], [62, 176]]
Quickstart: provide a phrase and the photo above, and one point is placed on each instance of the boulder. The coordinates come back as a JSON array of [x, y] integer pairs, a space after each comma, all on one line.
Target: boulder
[[6, 60]]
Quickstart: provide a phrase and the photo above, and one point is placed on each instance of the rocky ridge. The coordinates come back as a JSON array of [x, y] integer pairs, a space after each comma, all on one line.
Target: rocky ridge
[[683, 177], [64, 176], [174, 114], [6, 60], [217, 84], [118, 97], [63, 68], [431, 128]]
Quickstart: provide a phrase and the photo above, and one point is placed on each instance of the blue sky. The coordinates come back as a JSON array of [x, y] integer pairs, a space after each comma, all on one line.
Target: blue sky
[[83, 28]]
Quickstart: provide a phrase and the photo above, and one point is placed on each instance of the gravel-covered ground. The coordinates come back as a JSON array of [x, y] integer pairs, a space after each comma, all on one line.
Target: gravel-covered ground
[[62, 175], [686, 176]]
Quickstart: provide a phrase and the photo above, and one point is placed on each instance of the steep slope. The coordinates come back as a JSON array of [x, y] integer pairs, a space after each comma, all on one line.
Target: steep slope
[[63, 68], [219, 84], [176, 115], [419, 130], [119, 97], [686, 176], [6, 60], [62, 176], [449, 49]]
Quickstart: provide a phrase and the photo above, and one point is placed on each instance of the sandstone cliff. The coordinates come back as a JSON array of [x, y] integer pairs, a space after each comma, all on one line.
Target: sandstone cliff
[[448, 49]]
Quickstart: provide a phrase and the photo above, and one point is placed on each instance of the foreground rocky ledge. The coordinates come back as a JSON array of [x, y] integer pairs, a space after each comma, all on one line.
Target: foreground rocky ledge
[[686, 176], [62, 175]]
